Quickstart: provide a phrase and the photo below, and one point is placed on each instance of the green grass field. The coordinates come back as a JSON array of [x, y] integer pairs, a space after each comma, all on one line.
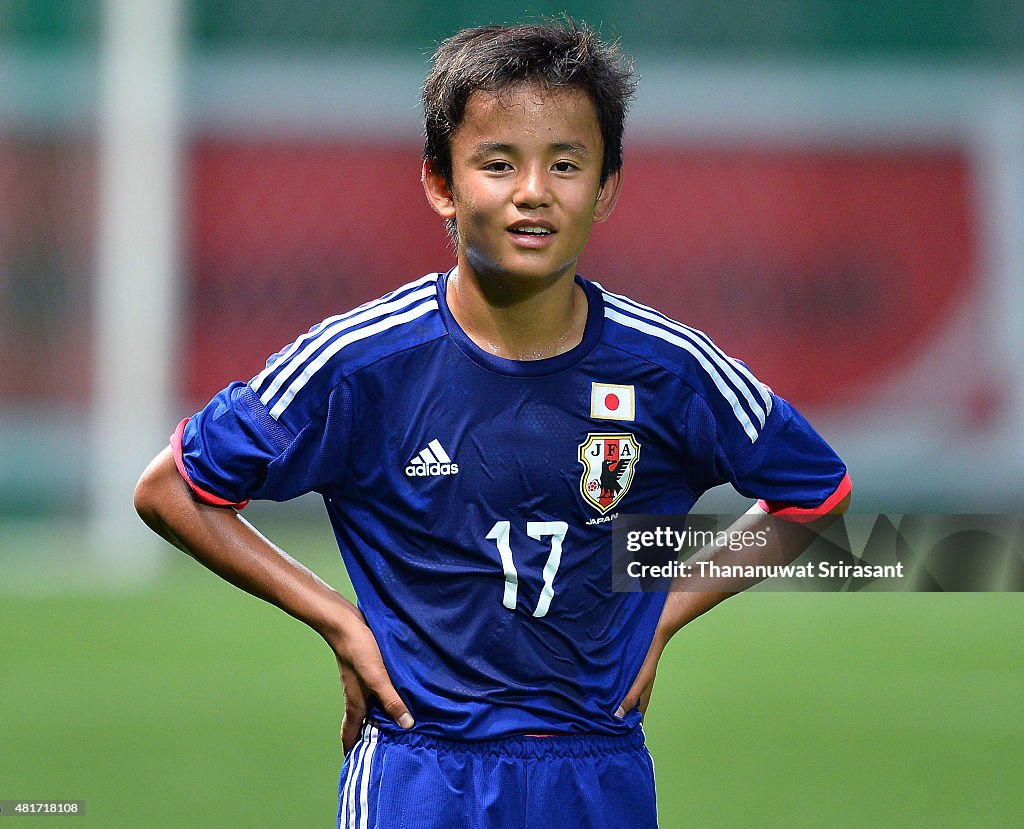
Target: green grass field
[[191, 704]]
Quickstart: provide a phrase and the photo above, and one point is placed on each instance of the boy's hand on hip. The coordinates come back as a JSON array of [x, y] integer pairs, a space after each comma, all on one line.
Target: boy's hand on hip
[[363, 676], [355, 707], [639, 693]]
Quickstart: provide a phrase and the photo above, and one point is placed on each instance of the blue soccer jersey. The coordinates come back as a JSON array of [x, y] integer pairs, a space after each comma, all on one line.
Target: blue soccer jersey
[[471, 495]]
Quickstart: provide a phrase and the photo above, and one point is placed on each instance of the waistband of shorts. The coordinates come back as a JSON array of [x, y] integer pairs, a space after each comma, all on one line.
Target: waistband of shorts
[[523, 746]]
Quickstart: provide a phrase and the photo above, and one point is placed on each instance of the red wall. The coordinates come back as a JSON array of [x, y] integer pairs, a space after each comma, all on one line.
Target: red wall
[[827, 271]]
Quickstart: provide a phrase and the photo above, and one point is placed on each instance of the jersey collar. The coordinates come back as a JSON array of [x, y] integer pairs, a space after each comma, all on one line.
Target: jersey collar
[[526, 368]]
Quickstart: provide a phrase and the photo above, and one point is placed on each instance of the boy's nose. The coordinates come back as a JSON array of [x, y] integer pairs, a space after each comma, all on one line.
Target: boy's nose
[[532, 188]]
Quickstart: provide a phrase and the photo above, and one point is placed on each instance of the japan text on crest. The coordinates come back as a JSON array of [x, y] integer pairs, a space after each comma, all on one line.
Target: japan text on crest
[[608, 464]]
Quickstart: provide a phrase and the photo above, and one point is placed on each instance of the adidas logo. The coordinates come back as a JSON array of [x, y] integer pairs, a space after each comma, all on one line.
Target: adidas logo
[[431, 462]]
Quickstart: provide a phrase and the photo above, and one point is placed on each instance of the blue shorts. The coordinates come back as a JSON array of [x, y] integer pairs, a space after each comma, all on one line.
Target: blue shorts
[[409, 781]]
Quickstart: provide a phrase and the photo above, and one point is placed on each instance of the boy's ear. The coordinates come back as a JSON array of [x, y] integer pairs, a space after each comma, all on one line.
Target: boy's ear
[[438, 192], [607, 196]]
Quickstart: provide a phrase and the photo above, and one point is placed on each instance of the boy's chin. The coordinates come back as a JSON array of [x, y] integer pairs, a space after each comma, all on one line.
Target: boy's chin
[[523, 269]]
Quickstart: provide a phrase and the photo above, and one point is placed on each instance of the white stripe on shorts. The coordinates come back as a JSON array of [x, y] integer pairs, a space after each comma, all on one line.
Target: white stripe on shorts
[[357, 782]]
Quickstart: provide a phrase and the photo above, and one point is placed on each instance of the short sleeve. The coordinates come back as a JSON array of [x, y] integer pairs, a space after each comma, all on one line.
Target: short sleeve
[[786, 465], [233, 450]]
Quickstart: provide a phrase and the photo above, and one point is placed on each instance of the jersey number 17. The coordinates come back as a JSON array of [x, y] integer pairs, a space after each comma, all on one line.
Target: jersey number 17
[[556, 530]]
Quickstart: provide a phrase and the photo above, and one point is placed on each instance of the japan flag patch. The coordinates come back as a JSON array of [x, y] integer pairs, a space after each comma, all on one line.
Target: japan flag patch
[[611, 402]]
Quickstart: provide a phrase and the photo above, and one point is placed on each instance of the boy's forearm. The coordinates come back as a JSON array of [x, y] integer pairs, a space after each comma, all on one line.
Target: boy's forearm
[[221, 540], [691, 596]]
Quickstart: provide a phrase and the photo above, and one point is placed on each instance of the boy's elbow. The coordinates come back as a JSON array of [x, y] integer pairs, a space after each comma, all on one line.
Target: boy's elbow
[[155, 488], [145, 505]]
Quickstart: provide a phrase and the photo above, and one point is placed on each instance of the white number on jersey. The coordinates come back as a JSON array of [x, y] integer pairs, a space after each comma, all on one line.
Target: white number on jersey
[[499, 534]]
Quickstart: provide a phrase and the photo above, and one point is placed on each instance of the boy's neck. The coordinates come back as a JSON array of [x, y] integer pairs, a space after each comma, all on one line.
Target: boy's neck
[[518, 322]]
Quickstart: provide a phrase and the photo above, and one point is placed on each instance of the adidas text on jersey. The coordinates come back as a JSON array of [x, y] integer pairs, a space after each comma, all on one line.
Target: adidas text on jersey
[[431, 462]]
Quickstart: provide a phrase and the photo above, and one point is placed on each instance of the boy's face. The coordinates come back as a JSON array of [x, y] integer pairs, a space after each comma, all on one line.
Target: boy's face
[[526, 182]]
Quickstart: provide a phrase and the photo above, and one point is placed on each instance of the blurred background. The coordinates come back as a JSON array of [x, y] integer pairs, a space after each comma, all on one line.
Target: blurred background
[[835, 191]]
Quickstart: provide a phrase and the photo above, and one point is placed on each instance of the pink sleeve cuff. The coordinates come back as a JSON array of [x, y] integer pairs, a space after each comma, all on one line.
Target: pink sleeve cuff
[[802, 515], [200, 493]]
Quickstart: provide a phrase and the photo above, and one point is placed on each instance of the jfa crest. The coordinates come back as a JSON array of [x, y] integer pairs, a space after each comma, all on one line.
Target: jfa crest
[[608, 464]]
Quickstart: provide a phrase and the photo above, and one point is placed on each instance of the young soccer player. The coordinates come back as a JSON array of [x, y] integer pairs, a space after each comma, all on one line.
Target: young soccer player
[[473, 433]]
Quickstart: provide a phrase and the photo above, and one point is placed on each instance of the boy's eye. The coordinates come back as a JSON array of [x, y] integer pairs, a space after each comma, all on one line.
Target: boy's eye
[[498, 166], [564, 166]]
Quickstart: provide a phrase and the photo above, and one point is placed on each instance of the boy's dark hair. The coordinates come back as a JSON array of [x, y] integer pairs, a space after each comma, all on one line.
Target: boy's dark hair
[[562, 54]]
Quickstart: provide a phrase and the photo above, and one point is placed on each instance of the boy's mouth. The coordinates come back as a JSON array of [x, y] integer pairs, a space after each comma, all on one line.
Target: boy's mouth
[[531, 231]]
